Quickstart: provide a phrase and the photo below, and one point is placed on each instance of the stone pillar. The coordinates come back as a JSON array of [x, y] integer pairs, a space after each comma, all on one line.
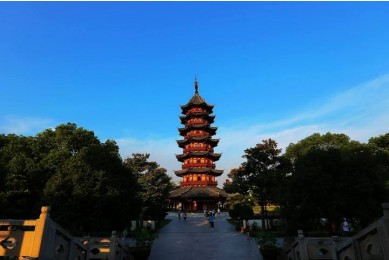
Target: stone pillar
[[112, 246], [385, 209], [302, 246], [384, 229], [40, 230]]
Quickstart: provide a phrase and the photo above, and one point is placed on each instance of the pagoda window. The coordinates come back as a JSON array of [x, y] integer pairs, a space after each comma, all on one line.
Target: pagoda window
[[207, 178], [213, 178], [202, 160], [203, 177], [190, 178]]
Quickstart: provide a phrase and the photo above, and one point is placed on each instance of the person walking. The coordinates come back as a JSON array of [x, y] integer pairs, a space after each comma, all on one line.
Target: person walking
[[345, 227], [212, 221], [179, 214], [185, 216], [247, 229]]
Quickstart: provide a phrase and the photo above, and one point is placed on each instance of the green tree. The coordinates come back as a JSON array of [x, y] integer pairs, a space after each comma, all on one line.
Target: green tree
[[239, 183], [330, 172], [261, 174], [21, 178], [155, 184], [380, 146], [326, 141], [90, 189]]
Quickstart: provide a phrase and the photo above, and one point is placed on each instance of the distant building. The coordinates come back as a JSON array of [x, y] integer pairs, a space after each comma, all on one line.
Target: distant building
[[198, 189]]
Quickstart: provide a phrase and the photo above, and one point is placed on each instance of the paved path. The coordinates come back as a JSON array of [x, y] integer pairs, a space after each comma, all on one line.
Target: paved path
[[193, 239]]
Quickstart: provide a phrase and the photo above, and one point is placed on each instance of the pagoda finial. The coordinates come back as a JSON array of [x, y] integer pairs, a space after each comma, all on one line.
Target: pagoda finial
[[196, 83]]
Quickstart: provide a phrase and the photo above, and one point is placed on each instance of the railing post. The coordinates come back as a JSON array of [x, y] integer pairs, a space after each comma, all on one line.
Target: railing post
[[41, 230], [112, 246]]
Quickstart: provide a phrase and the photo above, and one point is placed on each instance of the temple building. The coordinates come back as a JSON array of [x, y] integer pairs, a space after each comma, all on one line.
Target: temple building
[[198, 189]]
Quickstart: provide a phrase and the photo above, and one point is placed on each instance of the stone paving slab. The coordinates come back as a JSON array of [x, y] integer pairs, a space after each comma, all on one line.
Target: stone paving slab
[[194, 239]]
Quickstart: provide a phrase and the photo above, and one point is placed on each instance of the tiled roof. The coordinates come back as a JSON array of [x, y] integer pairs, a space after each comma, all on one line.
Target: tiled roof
[[210, 171], [206, 154], [198, 192]]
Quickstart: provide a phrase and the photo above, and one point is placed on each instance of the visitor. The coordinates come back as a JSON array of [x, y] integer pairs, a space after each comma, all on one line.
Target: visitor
[[179, 214], [345, 227], [212, 221], [333, 228], [247, 229], [185, 216]]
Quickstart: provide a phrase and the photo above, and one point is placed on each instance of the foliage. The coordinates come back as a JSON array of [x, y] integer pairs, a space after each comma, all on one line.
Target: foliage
[[266, 239], [145, 237], [82, 179], [155, 184], [89, 178], [330, 172], [323, 142], [254, 229], [21, 176], [261, 174], [239, 184], [242, 211], [238, 198]]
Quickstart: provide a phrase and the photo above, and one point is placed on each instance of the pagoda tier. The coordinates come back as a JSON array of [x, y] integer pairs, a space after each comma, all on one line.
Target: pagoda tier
[[201, 139], [190, 192], [208, 171], [198, 130], [197, 116], [196, 155], [200, 104]]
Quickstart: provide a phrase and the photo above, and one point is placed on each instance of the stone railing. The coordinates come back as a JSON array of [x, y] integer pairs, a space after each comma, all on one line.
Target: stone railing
[[107, 248], [44, 239], [371, 243]]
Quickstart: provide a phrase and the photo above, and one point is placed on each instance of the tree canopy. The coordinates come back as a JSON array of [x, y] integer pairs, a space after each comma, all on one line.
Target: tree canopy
[[84, 180], [322, 176], [260, 174], [333, 177], [155, 184]]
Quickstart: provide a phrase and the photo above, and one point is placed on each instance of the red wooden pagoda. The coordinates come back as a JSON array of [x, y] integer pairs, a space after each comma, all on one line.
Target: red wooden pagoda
[[198, 189]]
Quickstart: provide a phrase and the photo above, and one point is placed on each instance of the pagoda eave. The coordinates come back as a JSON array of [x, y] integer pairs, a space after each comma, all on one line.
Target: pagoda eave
[[205, 139], [208, 171], [197, 192], [201, 154]]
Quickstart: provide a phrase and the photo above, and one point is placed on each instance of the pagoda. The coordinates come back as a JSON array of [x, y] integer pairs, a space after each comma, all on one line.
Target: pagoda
[[198, 189]]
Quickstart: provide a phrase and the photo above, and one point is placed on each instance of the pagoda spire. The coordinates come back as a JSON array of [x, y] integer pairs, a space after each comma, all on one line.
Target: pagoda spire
[[196, 83]]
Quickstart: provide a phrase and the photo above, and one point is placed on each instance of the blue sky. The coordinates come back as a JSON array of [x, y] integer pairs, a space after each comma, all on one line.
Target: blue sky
[[281, 70]]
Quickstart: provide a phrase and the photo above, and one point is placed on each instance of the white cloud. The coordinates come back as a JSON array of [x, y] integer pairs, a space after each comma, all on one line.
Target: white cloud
[[360, 112], [19, 125], [161, 150]]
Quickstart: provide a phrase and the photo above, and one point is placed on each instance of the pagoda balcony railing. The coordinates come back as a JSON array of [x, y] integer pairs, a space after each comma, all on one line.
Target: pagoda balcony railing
[[192, 165], [197, 123], [198, 183], [196, 135], [196, 112], [196, 149]]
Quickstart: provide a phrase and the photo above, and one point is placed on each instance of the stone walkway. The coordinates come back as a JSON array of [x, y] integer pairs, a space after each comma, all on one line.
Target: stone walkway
[[193, 239]]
